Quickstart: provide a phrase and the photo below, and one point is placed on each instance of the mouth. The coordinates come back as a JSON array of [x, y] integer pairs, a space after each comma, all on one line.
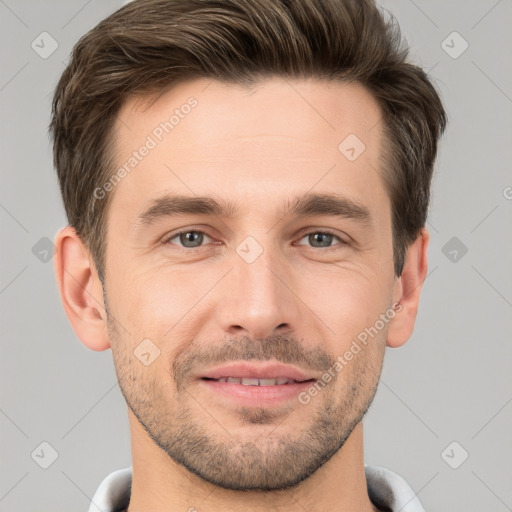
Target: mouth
[[248, 381], [259, 385], [254, 374], [251, 392]]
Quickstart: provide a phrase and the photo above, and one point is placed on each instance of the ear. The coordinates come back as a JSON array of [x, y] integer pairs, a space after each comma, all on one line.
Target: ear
[[407, 290], [80, 289]]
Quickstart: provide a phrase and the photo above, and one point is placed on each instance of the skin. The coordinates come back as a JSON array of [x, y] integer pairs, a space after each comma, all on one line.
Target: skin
[[297, 303]]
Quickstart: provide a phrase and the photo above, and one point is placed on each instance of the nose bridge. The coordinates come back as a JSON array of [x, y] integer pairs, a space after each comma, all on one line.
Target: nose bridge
[[258, 301], [259, 277]]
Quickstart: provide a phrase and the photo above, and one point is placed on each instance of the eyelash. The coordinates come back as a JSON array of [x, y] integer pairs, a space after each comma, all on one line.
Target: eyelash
[[342, 242]]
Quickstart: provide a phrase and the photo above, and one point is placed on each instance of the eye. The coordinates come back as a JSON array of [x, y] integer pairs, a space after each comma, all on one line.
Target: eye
[[193, 239], [322, 239], [189, 239]]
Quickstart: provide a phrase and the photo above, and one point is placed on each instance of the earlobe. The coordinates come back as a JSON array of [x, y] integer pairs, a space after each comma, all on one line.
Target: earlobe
[[407, 292], [80, 289]]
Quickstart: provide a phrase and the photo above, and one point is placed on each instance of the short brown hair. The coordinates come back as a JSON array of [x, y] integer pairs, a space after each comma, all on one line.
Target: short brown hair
[[150, 45]]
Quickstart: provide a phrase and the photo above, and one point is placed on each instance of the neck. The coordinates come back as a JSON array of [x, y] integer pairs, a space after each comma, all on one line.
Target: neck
[[158, 483]]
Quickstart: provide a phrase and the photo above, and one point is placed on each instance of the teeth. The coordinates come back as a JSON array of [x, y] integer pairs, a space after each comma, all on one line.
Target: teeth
[[257, 382], [250, 382]]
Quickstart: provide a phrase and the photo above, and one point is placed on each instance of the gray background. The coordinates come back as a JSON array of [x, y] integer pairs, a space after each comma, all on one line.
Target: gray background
[[452, 382]]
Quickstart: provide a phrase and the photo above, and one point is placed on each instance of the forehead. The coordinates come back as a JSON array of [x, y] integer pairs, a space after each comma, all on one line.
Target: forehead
[[208, 136], [270, 107]]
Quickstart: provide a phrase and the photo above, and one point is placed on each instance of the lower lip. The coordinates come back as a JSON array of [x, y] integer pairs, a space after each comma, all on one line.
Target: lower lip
[[257, 395]]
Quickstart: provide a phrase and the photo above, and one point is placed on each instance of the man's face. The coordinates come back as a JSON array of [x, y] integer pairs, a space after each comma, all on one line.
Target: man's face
[[262, 285]]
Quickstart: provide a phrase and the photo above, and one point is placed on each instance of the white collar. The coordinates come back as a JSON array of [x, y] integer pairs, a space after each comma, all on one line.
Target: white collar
[[386, 490]]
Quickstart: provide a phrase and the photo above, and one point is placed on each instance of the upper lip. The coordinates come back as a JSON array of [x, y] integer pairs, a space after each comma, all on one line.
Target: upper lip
[[262, 371]]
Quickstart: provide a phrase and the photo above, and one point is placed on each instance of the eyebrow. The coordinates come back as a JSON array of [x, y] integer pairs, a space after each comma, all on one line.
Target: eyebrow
[[303, 206]]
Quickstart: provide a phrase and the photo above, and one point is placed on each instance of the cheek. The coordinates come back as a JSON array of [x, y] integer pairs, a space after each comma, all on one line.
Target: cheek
[[346, 300], [161, 302]]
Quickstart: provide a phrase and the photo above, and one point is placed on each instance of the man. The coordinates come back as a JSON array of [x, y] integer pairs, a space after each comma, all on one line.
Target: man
[[247, 184]]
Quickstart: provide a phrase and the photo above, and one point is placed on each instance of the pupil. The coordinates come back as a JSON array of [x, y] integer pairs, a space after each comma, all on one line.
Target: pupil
[[323, 236], [194, 235]]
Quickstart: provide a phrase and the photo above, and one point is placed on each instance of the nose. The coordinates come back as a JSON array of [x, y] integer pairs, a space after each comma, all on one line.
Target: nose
[[258, 298]]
